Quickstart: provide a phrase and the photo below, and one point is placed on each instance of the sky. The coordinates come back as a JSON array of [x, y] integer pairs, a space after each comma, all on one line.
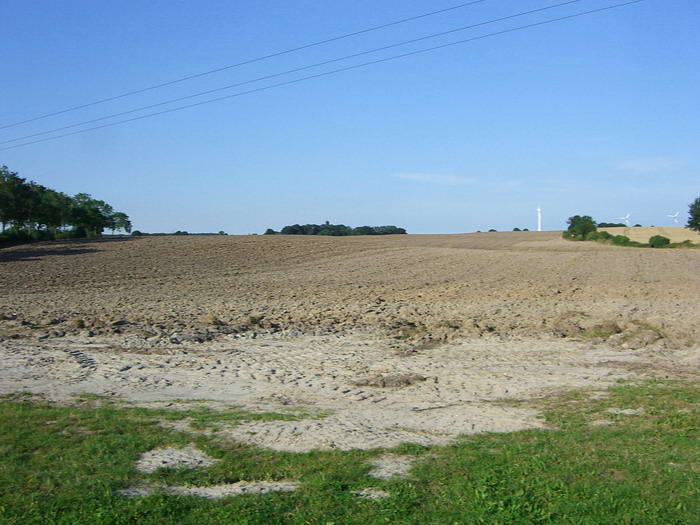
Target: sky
[[596, 115]]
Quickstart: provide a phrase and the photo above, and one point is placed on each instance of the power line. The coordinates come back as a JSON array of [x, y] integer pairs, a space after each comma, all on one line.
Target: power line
[[332, 72], [245, 62], [287, 72]]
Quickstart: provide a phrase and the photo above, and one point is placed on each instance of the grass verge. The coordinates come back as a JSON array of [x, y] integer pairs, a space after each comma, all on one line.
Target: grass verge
[[630, 457]]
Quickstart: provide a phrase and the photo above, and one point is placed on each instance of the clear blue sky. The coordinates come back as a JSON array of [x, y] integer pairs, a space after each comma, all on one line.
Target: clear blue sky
[[597, 115]]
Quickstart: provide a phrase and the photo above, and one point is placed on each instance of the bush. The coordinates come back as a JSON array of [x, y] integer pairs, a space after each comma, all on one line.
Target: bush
[[621, 240], [659, 241], [566, 234], [592, 236], [604, 236], [136, 233]]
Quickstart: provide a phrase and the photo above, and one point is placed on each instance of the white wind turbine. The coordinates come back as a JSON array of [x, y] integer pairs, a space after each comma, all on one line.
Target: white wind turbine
[[675, 217], [539, 219], [625, 219]]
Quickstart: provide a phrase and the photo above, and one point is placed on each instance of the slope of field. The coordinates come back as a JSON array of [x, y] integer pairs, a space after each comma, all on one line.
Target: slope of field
[[642, 234], [413, 287]]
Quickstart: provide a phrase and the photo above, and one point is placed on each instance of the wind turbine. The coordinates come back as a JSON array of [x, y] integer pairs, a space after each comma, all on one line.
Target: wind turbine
[[625, 219], [675, 217], [539, 219]]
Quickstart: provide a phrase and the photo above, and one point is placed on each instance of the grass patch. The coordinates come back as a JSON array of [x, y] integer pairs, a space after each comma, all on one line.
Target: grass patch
[[63, 465]]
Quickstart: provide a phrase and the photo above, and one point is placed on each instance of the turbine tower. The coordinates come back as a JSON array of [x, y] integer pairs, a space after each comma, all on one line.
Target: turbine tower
[[625, 219], [539, 219]]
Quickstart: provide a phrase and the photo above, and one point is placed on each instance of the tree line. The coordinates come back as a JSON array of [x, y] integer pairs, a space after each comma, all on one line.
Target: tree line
[[30, 211], [335, 230]]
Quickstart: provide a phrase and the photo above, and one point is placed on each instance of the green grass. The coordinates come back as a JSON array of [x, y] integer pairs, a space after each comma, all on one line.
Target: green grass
[[64, 464]]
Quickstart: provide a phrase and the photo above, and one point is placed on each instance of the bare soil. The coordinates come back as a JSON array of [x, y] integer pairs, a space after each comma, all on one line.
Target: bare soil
[[412, 287], [414, 338]]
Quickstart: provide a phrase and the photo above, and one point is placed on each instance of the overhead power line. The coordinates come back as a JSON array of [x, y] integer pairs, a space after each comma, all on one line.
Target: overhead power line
[[287, 72], [332, 72], [245, 62]]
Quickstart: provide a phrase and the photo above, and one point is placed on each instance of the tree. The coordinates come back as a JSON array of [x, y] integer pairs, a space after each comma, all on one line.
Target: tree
[[581, 225], [694, 215], [119, 221], [270, 231], [35, 212], [363, 230]]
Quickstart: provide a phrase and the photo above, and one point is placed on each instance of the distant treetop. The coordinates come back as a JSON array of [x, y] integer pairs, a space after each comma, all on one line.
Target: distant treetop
[[335, 230]]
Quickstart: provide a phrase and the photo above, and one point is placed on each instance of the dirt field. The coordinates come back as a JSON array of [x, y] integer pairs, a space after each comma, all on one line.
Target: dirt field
[[399, 338], [414, 286], [675, 233]]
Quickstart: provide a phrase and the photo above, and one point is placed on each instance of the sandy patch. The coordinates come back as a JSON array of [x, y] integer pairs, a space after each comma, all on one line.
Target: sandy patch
[[234, 489], [626, 411], [391, 465], [465, 387], [173, 458], [240, 488], [371, 494]]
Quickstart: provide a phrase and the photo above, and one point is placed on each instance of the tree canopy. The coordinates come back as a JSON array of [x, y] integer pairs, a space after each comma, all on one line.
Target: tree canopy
[[694, 215], [335, 230], [581, 225], [29, 211]]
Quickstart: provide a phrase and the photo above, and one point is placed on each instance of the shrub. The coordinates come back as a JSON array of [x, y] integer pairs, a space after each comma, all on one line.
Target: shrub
[[592, 236], [604, 236], [621, 240], [136, 233], [659, 241], [566, 234]]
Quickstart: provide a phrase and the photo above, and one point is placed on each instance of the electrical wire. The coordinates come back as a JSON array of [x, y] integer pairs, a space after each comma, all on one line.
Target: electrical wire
[[287, 72], [244, 63], [332, 72]]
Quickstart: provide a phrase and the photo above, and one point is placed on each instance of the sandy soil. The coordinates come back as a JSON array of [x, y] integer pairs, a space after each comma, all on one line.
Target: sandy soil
[[468, 385], [393, 339]]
